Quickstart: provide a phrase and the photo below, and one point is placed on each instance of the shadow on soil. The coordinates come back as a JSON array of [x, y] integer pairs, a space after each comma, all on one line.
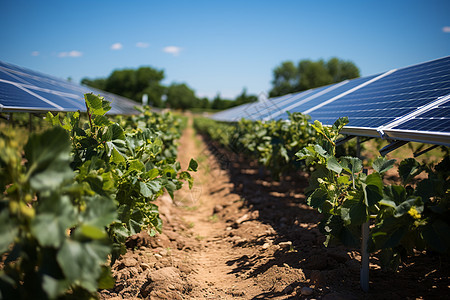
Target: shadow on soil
[[282, 205]]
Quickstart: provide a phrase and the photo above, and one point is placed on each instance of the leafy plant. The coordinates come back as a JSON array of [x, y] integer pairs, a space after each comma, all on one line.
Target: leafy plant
[[403, 218], [53, 247], [132, 166], [76, 194]]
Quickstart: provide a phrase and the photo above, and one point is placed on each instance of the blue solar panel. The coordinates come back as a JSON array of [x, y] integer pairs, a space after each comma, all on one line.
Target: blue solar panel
[[15, 97], [329, 92], [390, 97], [26, 90], [437, 119]]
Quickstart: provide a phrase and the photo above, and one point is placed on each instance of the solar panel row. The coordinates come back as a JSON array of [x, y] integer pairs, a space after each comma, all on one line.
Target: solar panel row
[[26, 90], [406, 104]]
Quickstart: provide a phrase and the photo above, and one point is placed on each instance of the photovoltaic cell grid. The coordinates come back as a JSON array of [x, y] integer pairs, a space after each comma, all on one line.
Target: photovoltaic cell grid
[[436, 119], [329, 92], [26, 90], [414, 99], [390, 97]]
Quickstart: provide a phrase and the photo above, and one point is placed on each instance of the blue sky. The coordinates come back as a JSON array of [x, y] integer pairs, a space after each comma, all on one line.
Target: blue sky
[[219, 46]]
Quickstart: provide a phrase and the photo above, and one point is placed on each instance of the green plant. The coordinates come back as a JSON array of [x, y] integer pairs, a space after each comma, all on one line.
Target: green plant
[[75, 195], [133, 166], [53, 246], [403, 218]]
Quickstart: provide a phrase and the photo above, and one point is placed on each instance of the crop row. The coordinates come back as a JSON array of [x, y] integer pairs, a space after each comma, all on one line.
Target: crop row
[[402, 217], [76, 192]]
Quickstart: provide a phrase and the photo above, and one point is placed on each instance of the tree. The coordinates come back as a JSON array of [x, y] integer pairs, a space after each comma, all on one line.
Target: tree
[[285, 79], [341, 70], [310, 74], [132, 84], [97, 83], [244, 98], [180, 96]]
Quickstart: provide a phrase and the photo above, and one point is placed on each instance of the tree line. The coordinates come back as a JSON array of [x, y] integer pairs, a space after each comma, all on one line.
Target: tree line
[[134, 83], [287, 78]]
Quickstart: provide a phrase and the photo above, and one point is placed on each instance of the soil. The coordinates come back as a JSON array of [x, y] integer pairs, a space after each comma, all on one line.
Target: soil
[[240, 235]]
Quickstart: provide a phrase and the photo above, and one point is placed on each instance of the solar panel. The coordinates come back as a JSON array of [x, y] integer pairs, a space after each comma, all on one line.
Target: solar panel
[[30, 91], [229, 115], [411, 104], [392, 96], [324, 94], [436, 119]]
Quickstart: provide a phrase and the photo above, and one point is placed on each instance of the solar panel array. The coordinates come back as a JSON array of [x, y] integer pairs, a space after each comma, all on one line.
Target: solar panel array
[[411, 104], [29, 91]]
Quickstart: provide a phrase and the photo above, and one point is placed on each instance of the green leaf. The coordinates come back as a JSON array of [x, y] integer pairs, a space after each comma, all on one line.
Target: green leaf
[[340, 123], [136, 165], [55, 215], [352, 165], [406, 205], [114, 132], [354, 212], [170, 188], [193, 165], [152, 174], [320, 151], [119, 232], [71, 121], [8, 231], [116, 157], [54, 120], [97, 104], [101, 121], [54, 287], [388, 203], [48, 157], [395, 193], [373, 188], [106, 280], [82, 262], [334, 165], [408, 169], [91, 232], [186, 176], [395, 237], [343, 180], [145, 191], [100, 211], [317, 199], [382, 164]]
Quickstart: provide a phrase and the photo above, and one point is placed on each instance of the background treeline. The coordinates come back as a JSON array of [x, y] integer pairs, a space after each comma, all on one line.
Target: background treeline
[[134, 83], [287, 78], [307, 74]]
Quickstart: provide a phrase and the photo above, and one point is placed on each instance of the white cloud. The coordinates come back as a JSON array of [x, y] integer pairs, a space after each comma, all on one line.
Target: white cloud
[[35, 53], [446, 29], [172, 50], [142, 45], [72, 53], [116, 46]]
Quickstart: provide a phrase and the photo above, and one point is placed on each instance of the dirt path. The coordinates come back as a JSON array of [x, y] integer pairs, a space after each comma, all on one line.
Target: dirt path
[[214, 273], [239, 235]]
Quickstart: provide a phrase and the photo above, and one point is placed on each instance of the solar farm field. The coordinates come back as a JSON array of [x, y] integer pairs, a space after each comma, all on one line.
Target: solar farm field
[[286, 198]]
